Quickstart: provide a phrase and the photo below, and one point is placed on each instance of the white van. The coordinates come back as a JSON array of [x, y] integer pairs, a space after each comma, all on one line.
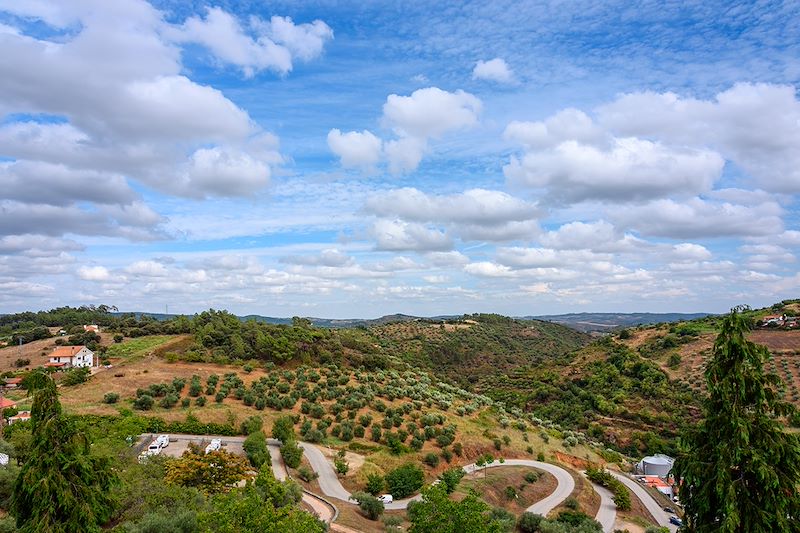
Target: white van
[[163, 440], [154, 448], [386, 498]]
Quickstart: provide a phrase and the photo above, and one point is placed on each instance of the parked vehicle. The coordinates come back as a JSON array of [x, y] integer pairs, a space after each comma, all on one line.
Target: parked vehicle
[[675, 521], [386, 498], [163, 440], [669, 510], [215, 445], [154, 448]]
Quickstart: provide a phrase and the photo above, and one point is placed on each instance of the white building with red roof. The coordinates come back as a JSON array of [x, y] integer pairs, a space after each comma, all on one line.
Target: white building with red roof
[[71, 357]]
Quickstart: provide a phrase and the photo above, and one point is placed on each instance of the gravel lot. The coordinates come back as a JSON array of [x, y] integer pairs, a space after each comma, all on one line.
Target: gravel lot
[[179, 443]]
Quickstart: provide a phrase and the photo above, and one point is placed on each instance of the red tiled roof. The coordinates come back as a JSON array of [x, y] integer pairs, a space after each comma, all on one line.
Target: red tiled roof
[[54, 364], [5, 402], [13, 381], [66, 351]]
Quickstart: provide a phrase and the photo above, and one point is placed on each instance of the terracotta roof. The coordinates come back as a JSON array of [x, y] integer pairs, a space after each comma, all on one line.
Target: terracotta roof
[[655, 481], [21, 416], [5, 402], [54, 364], [13, 381], [66, 351]]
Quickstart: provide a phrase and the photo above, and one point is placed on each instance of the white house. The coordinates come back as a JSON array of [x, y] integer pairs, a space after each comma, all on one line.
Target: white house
[[71, 357]]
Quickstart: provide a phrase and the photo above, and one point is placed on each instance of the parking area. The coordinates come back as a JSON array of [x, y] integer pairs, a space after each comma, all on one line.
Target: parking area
[[179, 443]]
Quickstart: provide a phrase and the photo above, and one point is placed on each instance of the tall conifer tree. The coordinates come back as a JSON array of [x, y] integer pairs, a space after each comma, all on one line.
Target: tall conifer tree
[[739, 469], [61, 488]]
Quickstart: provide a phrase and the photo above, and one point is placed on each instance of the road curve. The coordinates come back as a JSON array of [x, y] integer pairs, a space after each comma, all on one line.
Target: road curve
[[607, 513], [653, 506], [330, 485], [566, 484]]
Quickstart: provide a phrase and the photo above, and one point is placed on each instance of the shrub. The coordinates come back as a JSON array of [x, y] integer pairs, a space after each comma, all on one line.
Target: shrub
[[458, 449], [251, 425], [498, 444], [532, 476], [19, 363], [186, 402], [255, 447], [306, 474], [529, 522], [341, 465], [283, 429], [76, 376], [375, 484], [510, 493], [110, 397], [292, 454], [143, 402], [169, 401], [118, 338], [431, 460], [405, 480], [451, 478], [200, 401], [447, 455], [371, 506]]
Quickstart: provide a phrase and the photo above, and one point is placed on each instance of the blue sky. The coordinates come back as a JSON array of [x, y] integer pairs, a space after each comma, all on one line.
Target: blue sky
[[345, 159]]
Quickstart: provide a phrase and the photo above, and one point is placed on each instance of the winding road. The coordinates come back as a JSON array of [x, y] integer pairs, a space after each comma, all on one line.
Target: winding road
[[653, 506]]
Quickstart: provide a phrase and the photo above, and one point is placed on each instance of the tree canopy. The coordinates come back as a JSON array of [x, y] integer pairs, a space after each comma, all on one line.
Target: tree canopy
[[739, 469]]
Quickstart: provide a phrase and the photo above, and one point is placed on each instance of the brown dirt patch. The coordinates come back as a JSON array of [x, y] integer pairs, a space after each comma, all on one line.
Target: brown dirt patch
[[588, 499], [777, 341]]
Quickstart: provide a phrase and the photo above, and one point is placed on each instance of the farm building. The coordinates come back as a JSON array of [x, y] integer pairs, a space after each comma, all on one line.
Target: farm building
[[71, 357]]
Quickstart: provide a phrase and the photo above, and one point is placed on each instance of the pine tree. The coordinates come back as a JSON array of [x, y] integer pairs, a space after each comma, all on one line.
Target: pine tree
[[61, 487], [739, 469]]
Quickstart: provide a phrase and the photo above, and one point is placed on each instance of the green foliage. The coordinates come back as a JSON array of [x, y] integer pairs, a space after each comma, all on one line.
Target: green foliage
[[183, 521], [436, 513], [61, 487], [405, 480], [431, 459], [530, 522], [739, 468], [210, 472], [283, 429], [246, 511], [255, 447], [375, 484], [251, 425], [306, 474], [278, 493], [371, 506], [451, 478], [622, 497], [292, 453], [341, 465], [110, 397], [76, 376]]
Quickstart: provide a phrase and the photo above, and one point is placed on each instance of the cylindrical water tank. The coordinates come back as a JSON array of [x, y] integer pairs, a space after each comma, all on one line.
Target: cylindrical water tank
[[657, 465]]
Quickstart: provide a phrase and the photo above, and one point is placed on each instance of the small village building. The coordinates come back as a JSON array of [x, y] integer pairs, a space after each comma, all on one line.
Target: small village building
[[91, 327], [12, 383], [659, 484], [71, 357], [22, 416]]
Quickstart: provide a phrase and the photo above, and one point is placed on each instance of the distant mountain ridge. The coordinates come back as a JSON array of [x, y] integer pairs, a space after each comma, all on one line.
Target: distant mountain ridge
[[588, 322], [585, 322]]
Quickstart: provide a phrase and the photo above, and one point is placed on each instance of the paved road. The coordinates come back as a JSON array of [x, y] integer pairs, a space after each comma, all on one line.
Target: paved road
[[653, 506], [607, 513], [330, 485], [566, 484]]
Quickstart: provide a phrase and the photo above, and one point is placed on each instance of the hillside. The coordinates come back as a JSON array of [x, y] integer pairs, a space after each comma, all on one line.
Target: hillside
[[604, 322]]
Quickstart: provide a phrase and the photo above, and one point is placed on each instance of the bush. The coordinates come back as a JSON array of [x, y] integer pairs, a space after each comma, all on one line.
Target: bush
[[76, 376], [371, 506], [169, 401], [531, 477], [251, 425], [143, 402], [405, 480], [283, 429], [118, 338], [110, 397], [451, 478], [200, 401], [19, 363], [375, 484], [292, 454], [529, 522], [306, 474], [255, 447], [431, 460], [510, 493], [185, 402]]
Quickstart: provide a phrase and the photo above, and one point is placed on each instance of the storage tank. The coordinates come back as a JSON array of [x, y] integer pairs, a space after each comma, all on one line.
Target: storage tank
[[656, 465]]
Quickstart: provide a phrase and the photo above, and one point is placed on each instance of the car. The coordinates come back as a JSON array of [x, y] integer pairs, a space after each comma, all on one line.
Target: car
[[163, 440], [674, 520], [669, 510], [386, 498], [154, 448]]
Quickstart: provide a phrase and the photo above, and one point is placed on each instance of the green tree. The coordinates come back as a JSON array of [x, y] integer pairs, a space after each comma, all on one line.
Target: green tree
[[245, 511], [283, 429], [436, 513], [341, 464], [292, 453], [405, 480], [255, 447], [61, 487], [209, 472], [451, 478], [371, 506], [375, 484], [739, 469]]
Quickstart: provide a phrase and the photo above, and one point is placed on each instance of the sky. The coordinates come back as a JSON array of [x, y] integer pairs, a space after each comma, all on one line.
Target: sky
[[360, 158]]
